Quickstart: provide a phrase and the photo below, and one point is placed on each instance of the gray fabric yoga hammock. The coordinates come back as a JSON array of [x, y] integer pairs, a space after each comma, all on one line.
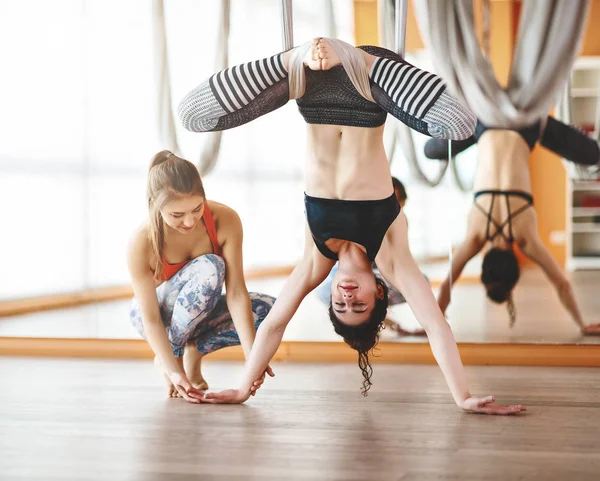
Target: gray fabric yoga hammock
[[548, 41]]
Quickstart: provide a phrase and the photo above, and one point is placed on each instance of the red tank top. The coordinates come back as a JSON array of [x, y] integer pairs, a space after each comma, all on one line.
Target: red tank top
[[169, 270]]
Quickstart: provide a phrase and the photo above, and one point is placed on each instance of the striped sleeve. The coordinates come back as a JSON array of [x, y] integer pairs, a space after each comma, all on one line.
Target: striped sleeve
[[419, 99], [236, 95]]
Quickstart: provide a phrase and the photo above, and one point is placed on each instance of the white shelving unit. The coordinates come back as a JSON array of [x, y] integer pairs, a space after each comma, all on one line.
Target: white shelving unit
[[581, 107]]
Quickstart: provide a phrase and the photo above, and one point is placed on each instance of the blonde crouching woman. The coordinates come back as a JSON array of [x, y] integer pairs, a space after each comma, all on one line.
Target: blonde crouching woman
[[178, 261], [344, 94]]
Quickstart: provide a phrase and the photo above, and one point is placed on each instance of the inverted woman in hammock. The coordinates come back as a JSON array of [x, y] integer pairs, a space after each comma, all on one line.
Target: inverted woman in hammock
[[352, 214]]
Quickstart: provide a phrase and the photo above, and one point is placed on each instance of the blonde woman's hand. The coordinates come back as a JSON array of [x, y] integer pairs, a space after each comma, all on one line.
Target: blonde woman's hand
[[185, 389]]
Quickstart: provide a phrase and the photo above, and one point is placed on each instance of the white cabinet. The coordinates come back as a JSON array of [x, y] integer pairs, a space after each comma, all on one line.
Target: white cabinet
[[581, 107], [583, 224]]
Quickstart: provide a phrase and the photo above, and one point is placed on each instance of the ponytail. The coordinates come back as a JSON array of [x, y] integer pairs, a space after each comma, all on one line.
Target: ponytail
[[169, 177]]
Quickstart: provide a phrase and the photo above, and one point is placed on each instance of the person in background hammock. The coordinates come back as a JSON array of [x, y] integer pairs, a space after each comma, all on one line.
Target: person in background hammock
[[503, 212]]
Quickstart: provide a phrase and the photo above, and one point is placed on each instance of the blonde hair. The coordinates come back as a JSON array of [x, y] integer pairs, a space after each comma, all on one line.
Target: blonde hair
[[169, 178], [351, 59]]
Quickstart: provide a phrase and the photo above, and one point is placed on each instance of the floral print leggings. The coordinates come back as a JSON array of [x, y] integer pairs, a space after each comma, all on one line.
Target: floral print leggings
[[193, 307]]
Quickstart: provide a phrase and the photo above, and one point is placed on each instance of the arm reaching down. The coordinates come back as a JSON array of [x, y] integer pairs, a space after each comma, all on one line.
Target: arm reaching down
[[308, 274], [537, 252], [467, 250], [399, 268], [268, 337], [144, 289], [237, 297]]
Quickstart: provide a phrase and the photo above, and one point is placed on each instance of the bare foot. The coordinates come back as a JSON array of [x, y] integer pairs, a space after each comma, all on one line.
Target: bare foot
[[171, 391], [327, 55], [192, 365]]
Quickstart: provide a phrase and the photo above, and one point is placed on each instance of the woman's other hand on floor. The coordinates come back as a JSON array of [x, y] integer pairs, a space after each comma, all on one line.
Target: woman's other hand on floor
[[236, 396], [229, 396], [487, 405], [591, 330]]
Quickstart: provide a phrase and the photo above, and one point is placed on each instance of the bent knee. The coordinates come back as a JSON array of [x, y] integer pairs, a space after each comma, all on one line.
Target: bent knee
[[208, 266]]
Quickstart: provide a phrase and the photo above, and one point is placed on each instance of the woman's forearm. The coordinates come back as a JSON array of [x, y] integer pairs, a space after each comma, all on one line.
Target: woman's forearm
[[267, 341], [567, 297], [444, 296], [269, 334], [408, 279], [444, 348], [159, 342]]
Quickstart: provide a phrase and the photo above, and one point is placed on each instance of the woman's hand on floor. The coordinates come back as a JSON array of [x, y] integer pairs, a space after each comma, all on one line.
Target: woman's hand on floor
[[235, 396], [487, 405], [229, 396], [185, 389], [591, 330]]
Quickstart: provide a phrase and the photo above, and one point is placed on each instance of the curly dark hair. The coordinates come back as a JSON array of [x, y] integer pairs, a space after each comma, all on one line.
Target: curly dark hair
[[500, 273], [365, 336], [399, 188]]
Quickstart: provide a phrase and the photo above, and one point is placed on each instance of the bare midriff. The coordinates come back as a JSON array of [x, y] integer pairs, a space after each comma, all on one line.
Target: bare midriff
[[347, 163], [502, 162]]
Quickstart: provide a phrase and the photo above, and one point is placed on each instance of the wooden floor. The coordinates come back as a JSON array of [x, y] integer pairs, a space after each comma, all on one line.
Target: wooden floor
[[108, 420]]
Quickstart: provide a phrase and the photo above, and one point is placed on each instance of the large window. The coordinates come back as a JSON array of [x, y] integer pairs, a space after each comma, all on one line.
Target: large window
[[78, 123], [79, 126]]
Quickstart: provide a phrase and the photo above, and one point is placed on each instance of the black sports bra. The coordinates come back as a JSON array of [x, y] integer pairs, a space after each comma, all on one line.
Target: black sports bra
[[364, 222], [529, 134], [511, 215]]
